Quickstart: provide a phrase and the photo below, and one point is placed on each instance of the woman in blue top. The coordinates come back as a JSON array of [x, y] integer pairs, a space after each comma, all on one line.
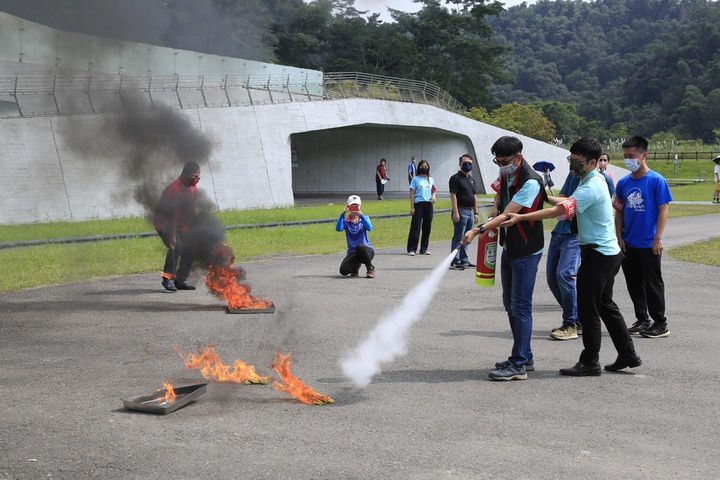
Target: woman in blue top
[[422, 198], [360, 251]]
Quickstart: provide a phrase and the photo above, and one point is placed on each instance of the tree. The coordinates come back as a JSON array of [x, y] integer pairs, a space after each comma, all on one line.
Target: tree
[[524, 119], [479, 114], [568, 124]]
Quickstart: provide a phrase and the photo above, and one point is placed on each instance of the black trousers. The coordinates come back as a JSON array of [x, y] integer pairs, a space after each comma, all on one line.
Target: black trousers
[[379, 186], [178, 261], [422, 219], [595, 280], [361, 256], [645, 284]]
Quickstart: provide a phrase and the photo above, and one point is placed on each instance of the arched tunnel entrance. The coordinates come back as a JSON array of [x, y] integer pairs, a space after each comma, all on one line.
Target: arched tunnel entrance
[[340, 161]]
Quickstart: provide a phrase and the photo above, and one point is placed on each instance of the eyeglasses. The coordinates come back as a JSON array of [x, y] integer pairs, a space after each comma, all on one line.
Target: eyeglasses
[[504, 161], [580, 160]]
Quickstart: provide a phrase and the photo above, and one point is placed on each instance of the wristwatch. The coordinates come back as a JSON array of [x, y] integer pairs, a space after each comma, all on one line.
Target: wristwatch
[[481, 228]]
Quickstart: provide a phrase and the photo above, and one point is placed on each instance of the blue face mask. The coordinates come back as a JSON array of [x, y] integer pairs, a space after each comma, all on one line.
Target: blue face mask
[[466, 167], [632, 164]]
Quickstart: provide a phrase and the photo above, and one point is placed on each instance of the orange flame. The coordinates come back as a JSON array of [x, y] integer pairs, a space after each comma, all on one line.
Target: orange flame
[[169, 392], [225, 281], [293, 385], [211, 367]]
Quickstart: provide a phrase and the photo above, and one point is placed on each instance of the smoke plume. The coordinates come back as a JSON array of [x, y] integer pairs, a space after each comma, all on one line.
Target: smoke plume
[[388, 340]]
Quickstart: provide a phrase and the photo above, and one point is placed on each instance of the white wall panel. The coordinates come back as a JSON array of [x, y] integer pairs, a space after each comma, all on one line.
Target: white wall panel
[[339, 144]]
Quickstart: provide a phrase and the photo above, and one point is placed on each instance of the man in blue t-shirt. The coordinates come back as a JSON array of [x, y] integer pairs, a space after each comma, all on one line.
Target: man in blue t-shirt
[[412, 169], [600, 261], [641, 204]]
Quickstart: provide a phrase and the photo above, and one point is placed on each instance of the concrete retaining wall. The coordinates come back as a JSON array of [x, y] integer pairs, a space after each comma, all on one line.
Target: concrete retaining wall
[[28, 48], [250, 166]]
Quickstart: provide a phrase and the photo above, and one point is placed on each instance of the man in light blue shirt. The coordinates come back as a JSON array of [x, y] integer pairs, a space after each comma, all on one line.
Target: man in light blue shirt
[[600, 261]]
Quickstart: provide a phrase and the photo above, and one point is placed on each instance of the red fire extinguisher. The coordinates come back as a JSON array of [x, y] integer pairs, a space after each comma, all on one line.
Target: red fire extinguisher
[[486, 257]]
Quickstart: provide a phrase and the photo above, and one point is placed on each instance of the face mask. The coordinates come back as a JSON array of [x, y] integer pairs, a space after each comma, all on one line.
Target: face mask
[[508, 169], [632, 164], [423, 170], [466, 167], [576, 168]]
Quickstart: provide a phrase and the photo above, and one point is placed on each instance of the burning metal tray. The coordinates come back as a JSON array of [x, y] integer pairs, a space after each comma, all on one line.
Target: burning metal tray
[[270, 309], [155, 402]]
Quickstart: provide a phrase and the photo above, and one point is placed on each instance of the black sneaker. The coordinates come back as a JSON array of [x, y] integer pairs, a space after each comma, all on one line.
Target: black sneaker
[[582, 370], [639, 326], [658, 330], [469, 264], [457, 266], [183, 286], [169, 285], [530, 366]]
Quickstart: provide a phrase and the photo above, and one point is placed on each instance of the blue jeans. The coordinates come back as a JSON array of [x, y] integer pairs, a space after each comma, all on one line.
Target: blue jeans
[[518, 282], [563, 259], [459, 229]]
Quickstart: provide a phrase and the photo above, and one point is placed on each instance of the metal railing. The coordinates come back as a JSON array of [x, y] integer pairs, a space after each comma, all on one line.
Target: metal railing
[[365, 85], [38, 95]]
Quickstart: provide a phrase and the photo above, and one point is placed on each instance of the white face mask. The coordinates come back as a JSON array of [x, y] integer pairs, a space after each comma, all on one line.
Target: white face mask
[[632, 164]]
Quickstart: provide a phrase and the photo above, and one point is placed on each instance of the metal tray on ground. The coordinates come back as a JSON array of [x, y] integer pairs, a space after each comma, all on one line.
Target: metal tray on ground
[[155, 402], [270, 309]]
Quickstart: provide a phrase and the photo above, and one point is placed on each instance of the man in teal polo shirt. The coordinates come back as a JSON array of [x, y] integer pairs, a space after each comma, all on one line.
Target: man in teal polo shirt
[[600, 261]]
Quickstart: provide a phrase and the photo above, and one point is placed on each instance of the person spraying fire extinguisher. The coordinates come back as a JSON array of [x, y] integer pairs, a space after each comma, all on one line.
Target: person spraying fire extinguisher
[[519, 189]]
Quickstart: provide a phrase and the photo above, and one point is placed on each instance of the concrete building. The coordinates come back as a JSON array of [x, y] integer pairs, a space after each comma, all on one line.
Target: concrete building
[[264, 153]]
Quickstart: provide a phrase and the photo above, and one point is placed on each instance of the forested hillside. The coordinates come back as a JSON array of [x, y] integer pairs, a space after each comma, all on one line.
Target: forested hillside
[[646, 65], [604, 68]]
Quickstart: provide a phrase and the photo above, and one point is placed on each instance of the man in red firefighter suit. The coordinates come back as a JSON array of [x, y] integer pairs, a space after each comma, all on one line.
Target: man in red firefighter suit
[[172, 220]]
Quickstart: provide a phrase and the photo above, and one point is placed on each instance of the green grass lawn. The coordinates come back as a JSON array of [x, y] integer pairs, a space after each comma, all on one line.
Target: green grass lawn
[[707, 252], [702, 169], [53, 264], [38, 231], [699, 192]]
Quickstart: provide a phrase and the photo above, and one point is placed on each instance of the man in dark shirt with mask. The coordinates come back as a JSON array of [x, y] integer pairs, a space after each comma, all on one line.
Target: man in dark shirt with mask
[[519, 190], [172, 220], [464, 210]]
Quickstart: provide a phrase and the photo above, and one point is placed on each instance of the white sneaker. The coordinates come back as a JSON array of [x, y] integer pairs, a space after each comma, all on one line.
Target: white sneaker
[[426, 252], [412, 254]]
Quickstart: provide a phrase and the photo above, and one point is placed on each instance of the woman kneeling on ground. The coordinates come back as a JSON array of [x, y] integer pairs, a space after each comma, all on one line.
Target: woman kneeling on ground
[[360, 251]]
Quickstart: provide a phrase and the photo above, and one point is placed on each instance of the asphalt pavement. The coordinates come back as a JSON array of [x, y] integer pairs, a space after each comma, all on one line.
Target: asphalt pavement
[[70, 353]]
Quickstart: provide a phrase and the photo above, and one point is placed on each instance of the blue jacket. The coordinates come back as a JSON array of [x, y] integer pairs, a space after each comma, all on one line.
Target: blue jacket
[[355, 233]]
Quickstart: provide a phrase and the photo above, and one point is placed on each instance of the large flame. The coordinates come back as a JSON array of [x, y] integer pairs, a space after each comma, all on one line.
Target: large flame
[[169, 393], [293, 385], [225, 281], [211, 367]]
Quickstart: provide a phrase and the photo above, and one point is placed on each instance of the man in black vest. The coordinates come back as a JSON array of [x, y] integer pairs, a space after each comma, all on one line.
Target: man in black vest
[[519, 190]]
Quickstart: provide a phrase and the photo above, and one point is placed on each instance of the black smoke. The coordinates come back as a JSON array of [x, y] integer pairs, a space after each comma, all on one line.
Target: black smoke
[[159, 141], [239, 29], [151, 147]]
